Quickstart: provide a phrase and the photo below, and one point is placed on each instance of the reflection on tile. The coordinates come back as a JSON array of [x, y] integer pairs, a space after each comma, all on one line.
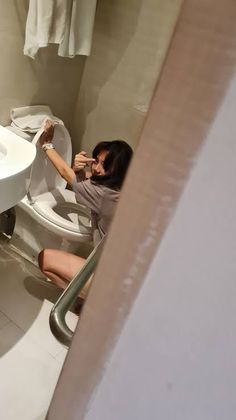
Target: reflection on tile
[[41, 333], [3, 320], [15, 301], [9, 336]]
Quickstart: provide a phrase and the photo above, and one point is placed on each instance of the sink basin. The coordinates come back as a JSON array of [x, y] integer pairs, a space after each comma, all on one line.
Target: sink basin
[[16, 158], [3, 151]]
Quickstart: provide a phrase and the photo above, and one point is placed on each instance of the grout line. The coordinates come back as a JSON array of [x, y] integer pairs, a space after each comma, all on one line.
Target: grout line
[[8, 320]]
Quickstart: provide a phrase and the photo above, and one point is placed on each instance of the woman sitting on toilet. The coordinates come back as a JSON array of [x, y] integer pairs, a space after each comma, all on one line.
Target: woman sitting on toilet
[[100, 193]]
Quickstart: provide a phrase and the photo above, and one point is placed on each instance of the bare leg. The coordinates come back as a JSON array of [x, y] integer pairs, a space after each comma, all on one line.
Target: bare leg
[[61, 267]]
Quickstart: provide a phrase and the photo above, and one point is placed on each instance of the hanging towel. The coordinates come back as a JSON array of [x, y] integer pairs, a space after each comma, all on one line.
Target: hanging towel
[[30, 118], [68, 23], [78, 34]]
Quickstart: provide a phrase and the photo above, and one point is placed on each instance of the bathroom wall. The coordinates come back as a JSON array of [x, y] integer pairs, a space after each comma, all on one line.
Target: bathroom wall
[[48, 79], [130, 42]]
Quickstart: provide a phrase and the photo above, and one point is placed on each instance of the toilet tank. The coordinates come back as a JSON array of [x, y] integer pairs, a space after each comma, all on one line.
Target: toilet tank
[[44, 176]]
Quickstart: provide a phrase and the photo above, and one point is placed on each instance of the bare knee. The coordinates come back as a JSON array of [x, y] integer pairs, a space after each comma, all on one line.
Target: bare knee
[[42, 258]]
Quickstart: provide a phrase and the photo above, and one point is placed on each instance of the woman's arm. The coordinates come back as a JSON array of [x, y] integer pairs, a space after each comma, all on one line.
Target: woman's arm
[[61, 166], [58, 162]]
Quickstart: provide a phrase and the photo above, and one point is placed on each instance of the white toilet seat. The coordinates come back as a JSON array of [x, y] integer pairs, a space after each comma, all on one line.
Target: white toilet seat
[[78, 216], [53, 208]]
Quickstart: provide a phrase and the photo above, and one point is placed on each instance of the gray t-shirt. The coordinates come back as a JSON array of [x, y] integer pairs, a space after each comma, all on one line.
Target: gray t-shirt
[[100, 200]]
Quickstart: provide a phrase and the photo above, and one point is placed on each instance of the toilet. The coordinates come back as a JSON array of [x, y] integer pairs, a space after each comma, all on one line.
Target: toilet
[[49, 216]]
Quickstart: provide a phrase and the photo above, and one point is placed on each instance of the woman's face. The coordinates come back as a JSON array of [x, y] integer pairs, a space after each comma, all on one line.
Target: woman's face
[[97, 166]]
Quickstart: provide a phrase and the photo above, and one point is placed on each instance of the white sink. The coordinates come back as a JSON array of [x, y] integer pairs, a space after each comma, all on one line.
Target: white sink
[[3, 151], [16, 158]]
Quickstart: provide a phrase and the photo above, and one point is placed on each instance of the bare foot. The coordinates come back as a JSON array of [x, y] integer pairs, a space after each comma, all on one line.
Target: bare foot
[[47, 135]]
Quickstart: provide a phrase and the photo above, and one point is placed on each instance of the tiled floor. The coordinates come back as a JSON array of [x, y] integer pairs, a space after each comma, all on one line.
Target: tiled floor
[[30, 357]]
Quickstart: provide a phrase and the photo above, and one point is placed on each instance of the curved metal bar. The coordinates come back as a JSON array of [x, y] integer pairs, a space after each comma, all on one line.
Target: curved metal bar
[[58, 313]]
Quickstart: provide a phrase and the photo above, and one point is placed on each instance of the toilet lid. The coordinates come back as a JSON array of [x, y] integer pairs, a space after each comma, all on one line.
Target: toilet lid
[[44, 176], [60, 207]]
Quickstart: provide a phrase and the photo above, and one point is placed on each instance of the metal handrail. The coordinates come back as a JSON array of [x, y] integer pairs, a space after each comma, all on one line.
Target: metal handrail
[[58, 313]]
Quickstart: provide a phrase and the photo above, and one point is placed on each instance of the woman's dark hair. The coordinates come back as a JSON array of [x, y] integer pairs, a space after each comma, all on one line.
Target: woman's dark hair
[[115, 164]]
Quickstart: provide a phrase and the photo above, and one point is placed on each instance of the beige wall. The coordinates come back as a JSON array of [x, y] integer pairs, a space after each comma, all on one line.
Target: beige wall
[[130, 42], [48, 79], [129, 45]]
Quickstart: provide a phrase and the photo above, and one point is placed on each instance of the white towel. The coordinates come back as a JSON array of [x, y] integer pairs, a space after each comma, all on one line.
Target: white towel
[[78, 34], [68, 23], [30, 118]]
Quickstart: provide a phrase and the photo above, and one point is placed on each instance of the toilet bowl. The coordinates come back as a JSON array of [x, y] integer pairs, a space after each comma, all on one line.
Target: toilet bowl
[[49, 216]]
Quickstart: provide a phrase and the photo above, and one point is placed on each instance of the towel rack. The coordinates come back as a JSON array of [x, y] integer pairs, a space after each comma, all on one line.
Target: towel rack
[[57, 320]]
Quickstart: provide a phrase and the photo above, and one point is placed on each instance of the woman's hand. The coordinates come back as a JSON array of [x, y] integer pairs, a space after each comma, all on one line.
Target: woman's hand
[[81, 161], [48, 133]]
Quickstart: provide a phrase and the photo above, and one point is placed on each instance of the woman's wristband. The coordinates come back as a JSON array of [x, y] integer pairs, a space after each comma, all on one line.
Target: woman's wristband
[[47, 146]]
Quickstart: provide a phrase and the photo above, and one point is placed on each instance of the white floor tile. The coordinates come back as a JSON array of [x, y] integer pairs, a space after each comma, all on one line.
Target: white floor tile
[[60, 357], [28, 375], [23, 299], [30, 357], [41, 417], [41, 333], [15, 301]]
